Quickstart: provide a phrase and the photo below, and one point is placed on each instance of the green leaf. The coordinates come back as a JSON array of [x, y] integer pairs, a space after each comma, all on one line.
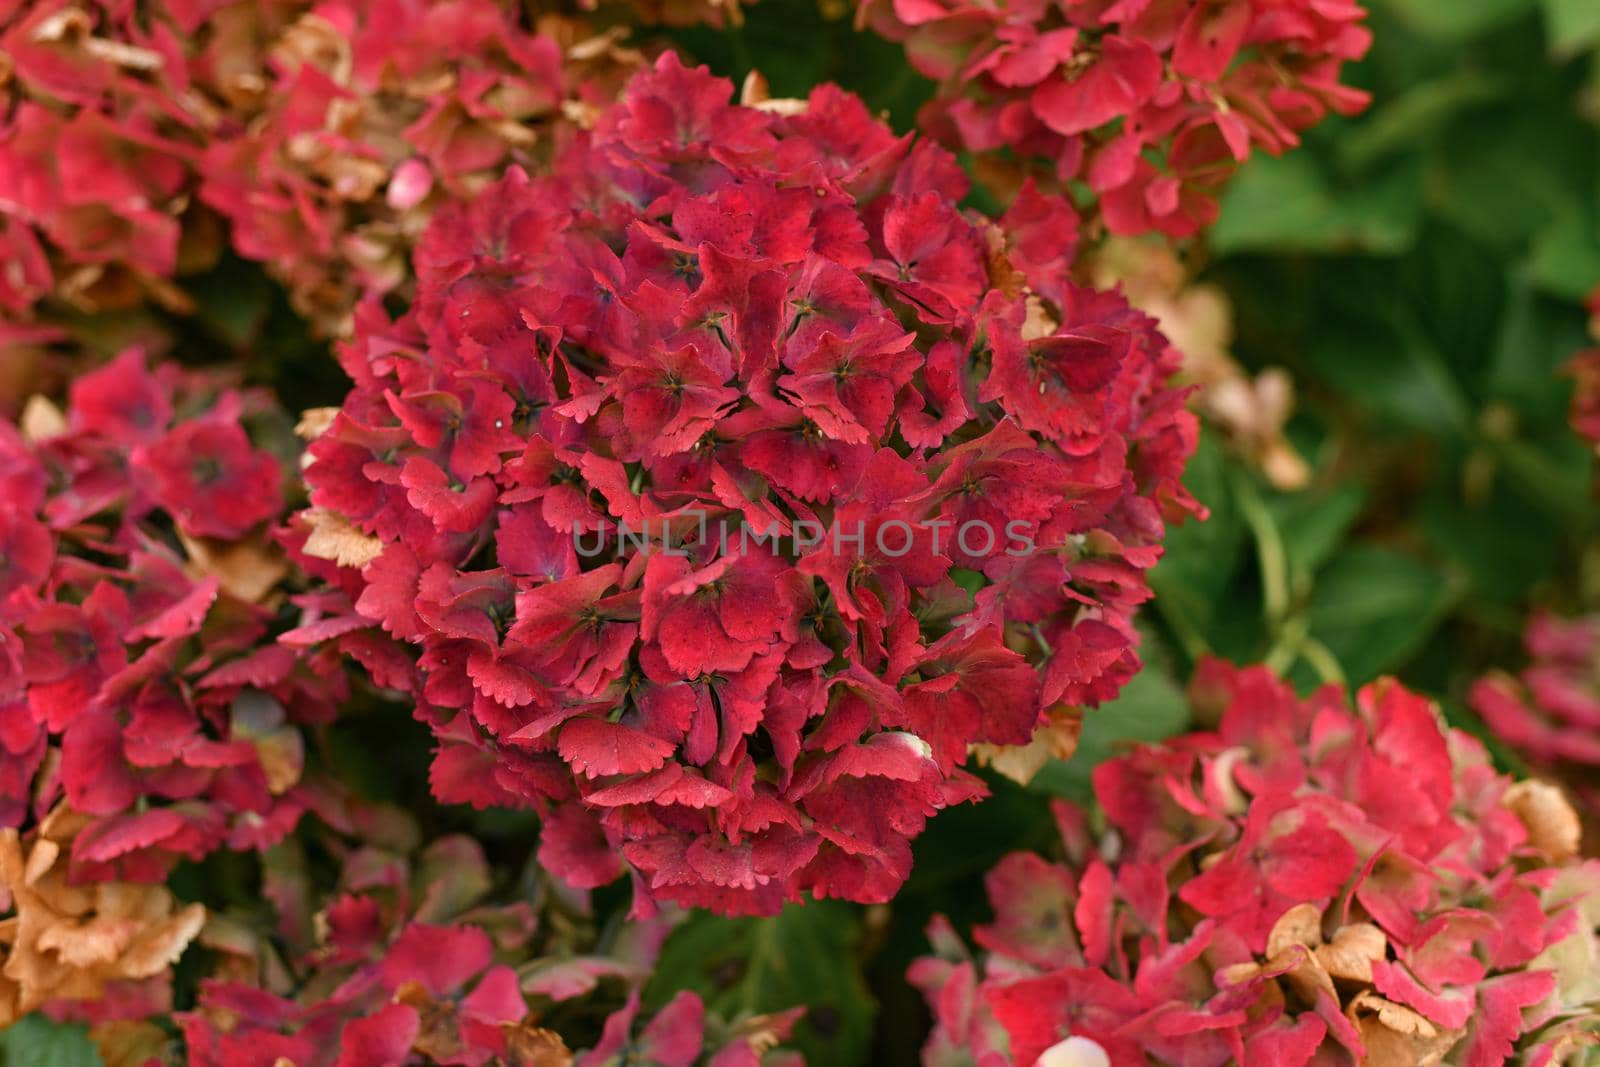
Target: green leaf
[[1313, 524], [1515, 170], [232, 300], [35, 1041], [1373, 607], [1502, 547], [874, 68], [1390, 368], [1534, 338], [1401, 122], [1566, 258], [1200, 559], [965, 840], [1458, 20], [804, 956], [1287, 204], [1573, 25], [1150, 708]]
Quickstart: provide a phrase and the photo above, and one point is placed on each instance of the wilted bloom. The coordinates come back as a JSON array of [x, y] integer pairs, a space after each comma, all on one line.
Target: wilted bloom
[[139, 678], [1148, 107], [731, 483], [1310, 883], [67, 944]]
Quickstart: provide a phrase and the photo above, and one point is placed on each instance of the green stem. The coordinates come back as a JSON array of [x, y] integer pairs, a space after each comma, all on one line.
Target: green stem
[[1270, 553]]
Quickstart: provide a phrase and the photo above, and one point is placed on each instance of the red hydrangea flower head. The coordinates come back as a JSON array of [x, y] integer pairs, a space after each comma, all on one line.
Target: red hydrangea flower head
[[413, 961], [139, 677], [731, 480], [1585, 371], [98, 141], [1310, 883], [1150, 107], [350, 122], [325, 134], [1549, 712]]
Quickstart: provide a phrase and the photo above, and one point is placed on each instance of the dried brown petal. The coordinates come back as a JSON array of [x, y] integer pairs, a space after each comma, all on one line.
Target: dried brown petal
[[1552, 823], [1002, 274], [1055, 739], [437, 1036], [41, 420], [129, 1043], [68, 22], [1300, 925], [1234, 801], [159, 946], [123, 54], [754, 90], [67, 942], [333, 538], [534, 1046], [1396, 1036], [1039, 322], [248, 570], [1353, 951]]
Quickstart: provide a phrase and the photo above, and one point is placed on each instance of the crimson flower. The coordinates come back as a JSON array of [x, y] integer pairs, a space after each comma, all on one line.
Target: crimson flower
[[140, 681], [1149, 107], [415, 961], [1549, 712], [711, 474], [1310, 883]]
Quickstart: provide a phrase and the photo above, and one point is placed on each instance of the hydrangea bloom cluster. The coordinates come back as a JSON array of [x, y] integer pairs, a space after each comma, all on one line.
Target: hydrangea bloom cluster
[[1549, 712], [413, 960], [1585, 370], [733, 481], [97, 154], [406, 955], [139, 675], [435, 994], [1310, 883], [1148, 107], [347, 131], [324, 134]]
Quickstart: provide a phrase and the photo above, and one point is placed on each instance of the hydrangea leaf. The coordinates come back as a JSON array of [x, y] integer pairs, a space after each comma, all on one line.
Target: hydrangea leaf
[[1289, 203], [807, 955], [1151, 708], [1373, 607], [35, 1041], [1460, 19], [1573, 25]]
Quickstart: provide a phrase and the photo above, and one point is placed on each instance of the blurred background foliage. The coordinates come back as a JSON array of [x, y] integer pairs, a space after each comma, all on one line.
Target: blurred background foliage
[[1417, 270]]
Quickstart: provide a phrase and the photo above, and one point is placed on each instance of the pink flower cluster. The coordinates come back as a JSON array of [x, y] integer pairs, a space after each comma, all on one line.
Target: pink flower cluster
[[433, 994], [324, 134], [1148, 107], [1585, 370], [139, 675], [413, 959], [97, 151], [1309, 883], [347, 131], [1549, 712], [725, 325]]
